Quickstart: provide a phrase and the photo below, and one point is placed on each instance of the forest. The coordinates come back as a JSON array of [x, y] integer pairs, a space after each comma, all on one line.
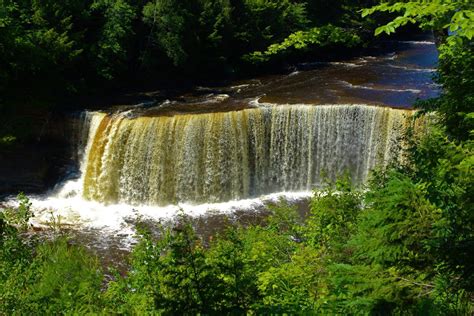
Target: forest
[[52, 52], [402, 244], [77, 45]]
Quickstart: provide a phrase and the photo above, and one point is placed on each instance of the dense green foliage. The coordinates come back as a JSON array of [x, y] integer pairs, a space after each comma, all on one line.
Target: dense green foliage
[[383, 251], [455, 16], [40, 276], [401, 246], [324, 36], [76, 44]]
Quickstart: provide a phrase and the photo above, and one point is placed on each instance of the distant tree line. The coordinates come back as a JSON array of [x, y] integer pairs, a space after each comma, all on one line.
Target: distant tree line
[[53, 48]]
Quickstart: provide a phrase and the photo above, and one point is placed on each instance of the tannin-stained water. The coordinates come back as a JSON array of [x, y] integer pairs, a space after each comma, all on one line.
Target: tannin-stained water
[[230, 147], [233, 155], [395, 75]]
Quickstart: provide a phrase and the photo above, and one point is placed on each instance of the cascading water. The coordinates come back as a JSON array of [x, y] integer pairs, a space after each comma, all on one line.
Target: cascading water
[[150, 168], [233, 155], [86, 126]]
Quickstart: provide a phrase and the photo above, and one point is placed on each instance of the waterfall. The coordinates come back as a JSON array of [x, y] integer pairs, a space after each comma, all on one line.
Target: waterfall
[[85, 125], [216, 157]]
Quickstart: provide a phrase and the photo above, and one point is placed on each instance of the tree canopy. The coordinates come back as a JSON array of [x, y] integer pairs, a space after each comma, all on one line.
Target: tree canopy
[[453, 16]]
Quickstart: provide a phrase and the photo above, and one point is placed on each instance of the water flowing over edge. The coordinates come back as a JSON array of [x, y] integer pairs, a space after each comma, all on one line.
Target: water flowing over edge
[[222, 156], [67, 202]]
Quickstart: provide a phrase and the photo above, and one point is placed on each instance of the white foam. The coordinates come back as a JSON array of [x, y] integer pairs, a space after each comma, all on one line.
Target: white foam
[[115, 219], [418, 42], [240, 86], [412, 69], [216, 98], [345, 64], [255, 102], [201, 88], [334, 63], [391, 56], [348, 84]]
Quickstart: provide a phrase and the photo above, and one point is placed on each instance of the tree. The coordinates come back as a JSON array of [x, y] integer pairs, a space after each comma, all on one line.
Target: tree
[[168, 21], [112, 49], [453, 16]]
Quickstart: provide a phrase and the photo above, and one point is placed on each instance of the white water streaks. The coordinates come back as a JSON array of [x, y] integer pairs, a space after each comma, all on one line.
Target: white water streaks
[[155, 167], [418, 42], [335, 63], [217, 157], [411, 68], [378, 88], [119, 220]]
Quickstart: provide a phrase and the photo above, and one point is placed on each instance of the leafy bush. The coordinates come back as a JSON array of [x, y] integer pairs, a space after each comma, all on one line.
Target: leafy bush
[[49, 277], [177, 273]]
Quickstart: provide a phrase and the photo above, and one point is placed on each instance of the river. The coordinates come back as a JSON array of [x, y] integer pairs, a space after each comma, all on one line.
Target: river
[[230, 150]]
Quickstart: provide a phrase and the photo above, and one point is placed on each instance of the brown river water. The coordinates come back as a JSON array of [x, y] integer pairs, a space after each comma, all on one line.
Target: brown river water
[[223, 153]]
